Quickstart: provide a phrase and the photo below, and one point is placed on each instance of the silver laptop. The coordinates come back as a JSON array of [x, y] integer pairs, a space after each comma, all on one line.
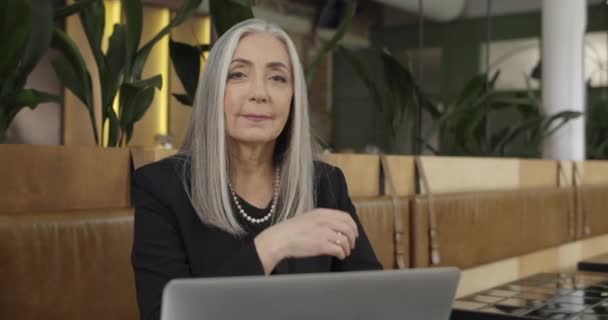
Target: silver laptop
[[417, 294]]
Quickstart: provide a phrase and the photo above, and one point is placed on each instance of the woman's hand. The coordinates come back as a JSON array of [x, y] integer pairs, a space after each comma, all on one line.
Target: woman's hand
[[315, 233]]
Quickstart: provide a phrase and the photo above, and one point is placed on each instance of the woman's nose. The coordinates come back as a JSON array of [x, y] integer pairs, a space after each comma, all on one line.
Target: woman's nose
[[259, 92]]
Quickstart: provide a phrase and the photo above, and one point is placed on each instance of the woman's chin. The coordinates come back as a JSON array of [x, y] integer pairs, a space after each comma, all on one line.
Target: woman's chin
[[254, 139]]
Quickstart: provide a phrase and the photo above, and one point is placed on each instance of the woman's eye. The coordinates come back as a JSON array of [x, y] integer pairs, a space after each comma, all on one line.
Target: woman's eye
[[236, 75], [279, 79]]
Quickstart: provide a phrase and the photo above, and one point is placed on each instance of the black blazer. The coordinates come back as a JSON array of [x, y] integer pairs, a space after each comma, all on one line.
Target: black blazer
[[171, 242]]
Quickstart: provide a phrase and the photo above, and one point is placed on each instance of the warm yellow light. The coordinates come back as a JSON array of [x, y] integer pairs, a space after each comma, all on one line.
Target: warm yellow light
[[163, 68], [205, 37], [113, 15]]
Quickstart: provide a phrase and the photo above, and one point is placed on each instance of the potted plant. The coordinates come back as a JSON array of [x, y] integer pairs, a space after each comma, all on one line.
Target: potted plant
[[47, 178]]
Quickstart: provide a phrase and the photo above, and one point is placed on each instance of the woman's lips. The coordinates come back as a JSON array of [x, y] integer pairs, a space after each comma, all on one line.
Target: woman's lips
[[256, 117]]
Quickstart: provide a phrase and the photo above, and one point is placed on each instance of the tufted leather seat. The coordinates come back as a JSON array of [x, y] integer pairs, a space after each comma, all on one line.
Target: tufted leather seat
[[67, 265]]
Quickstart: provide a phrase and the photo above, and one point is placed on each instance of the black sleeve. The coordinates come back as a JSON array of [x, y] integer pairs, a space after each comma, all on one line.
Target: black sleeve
[[158, 253], [363, 256]]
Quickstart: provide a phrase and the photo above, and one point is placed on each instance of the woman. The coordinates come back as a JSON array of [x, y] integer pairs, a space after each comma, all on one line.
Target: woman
[[244, 196]]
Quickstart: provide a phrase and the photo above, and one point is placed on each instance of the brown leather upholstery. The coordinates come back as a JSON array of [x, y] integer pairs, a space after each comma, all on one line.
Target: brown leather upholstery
[[593, 210], [377, 217], [58, 178], [478, 228], [69, 265]]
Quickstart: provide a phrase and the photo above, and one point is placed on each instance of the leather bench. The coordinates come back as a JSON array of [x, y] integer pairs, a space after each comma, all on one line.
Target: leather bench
[[67, 265]]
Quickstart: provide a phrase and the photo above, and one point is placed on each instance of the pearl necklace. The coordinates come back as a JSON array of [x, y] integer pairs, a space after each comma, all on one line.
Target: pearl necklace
[[272, 207]]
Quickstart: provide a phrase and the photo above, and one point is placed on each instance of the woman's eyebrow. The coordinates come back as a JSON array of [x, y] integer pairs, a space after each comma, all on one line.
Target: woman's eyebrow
[[241, 60], [276, 64]]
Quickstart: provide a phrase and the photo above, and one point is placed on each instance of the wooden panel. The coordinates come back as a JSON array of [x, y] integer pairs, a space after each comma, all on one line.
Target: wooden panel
[[42, 178], [455, 174], [595, 172], [538, 173], [362, 172], [403, 175], [195, 30], [143, 156]]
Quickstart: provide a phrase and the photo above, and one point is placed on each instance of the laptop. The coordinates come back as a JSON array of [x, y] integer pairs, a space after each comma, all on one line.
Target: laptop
[[416, 294]]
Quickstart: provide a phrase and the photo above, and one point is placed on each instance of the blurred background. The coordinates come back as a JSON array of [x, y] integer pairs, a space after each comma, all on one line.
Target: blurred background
[[462, 77]]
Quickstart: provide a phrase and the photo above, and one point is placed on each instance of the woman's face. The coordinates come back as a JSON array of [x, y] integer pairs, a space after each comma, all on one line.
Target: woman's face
[[259, 90]]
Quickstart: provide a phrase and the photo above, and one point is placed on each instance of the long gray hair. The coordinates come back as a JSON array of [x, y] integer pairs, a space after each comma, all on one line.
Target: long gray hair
[[205, 176]]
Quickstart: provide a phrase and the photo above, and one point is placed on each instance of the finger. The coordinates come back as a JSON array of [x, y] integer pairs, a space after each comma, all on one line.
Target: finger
[[340, 216], [340, 225], [344, 229], [339, 239], [332, 249]]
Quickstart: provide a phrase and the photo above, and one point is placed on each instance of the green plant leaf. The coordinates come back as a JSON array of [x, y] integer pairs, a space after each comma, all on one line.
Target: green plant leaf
[[72, 71], [154, 81], [187, 63], [331, 44], [32, 98], [184, 99], [134, 23], [92, 18], [113, 128], [401, 90], [67, 74], [15, 29], [227, 13], [506, 136], [248, 3], [562, 117], [135, 101], [71, 9], [357, 65], [70, 62], [187, 9], [115, 59], [39, 40]]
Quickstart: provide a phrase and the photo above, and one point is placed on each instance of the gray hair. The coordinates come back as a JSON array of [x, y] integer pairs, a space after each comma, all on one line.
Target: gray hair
[[205, 176]]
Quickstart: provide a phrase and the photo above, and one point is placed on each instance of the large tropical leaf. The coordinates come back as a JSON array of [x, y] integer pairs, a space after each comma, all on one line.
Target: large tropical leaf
[[15, 29], [71, 62], [227, 13], [40, 38], [135, 101], [331, 44], [187, 63], [154, 81], [562, 118], [184, 99], [364, 75], [134, 24], [401, 90], [115, 59], [31, 98], [92, 18], [73, 73], [69, 10]]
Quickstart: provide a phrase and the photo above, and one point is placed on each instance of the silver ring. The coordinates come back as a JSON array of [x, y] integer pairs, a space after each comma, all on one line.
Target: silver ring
[[339, 237]]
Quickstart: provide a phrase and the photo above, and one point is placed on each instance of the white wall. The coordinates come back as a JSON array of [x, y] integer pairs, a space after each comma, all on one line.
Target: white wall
[[42, 125]]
